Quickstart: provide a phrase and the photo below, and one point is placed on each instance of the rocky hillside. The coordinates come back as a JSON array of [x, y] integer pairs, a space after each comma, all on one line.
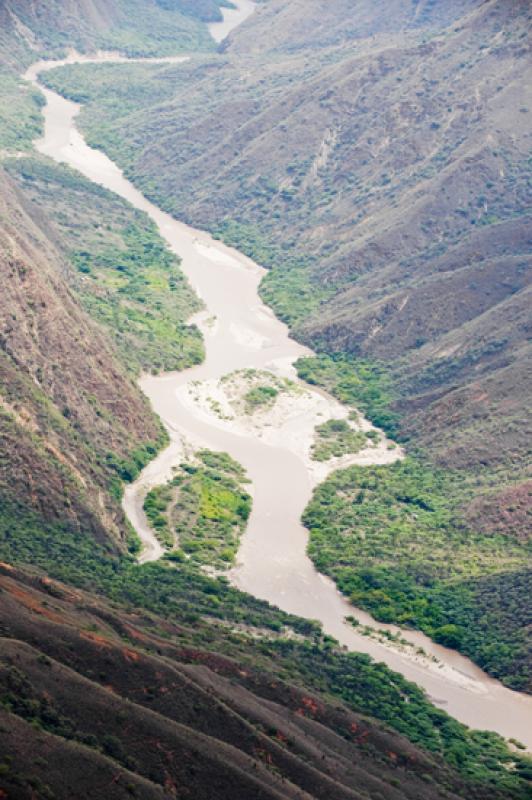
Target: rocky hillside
[[152, 681], [70, 414], [87, 305], [321, 25], [146, 27], [377, 159], [162, 717]]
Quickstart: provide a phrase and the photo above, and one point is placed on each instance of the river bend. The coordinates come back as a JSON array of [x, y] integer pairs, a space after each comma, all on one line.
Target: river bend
[[241, 332]]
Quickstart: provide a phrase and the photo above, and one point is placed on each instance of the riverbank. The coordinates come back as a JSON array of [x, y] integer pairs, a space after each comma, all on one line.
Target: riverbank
[[272, 561]]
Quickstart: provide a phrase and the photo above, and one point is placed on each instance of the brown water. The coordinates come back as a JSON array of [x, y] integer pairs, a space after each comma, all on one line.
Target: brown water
[[272, 561]]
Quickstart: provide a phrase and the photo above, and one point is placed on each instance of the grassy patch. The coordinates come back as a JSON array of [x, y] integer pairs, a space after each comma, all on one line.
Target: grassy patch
[[66, 553], [124, 274], [260, 396], [20, 113], [251, 390], [354, 382], [336, 438], [203, 510], [286, 286]]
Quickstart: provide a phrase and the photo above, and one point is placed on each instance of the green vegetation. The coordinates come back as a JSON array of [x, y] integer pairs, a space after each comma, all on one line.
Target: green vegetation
[[127, 469], [259, 396], [156, 506], [354, 382], [188, 597], [125, 275], [249, 390], [170, 26], [285, 287], [393, 539], [390, 539], [20, 113], [182, 593], [360, 382], [204, 509], [133, 27], [110, 92], [68, 554], [110, 95], [370, 687], [337, 438]]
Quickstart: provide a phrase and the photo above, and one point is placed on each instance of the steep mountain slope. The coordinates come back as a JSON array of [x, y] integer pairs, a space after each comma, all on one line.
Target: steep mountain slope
[[466, 147], [161, 717], [121, 270], [376, 158], [89, 683], [30, 31], [136, 26], [321, 25], [70, 413], [125, 692], [74, 423], [385, 180]]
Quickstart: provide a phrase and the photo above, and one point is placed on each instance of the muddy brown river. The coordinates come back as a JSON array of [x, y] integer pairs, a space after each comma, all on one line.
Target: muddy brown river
[[241, 332]]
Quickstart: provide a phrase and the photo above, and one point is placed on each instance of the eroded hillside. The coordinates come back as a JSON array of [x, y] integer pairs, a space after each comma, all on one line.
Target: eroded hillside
[[70, 412], [163, 717], [161, 681], [381, 170]]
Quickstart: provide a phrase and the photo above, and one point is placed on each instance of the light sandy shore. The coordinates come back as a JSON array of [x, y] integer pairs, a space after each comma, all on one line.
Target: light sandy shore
[[232, 18], [288, 421]]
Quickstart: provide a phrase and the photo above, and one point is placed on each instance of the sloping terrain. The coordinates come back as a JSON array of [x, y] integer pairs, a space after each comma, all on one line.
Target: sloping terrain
[[30, 31], [70, 413], [392, 170], [73, 421], [140, 27], [121, 272], [376, 158], [161, 718], [160, 682], [320, 25]]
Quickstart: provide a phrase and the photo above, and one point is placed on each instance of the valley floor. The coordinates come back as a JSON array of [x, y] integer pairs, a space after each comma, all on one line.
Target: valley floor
[[273, 446]]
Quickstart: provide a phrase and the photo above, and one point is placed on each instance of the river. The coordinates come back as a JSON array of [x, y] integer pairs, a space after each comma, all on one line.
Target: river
[[241, 332]]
